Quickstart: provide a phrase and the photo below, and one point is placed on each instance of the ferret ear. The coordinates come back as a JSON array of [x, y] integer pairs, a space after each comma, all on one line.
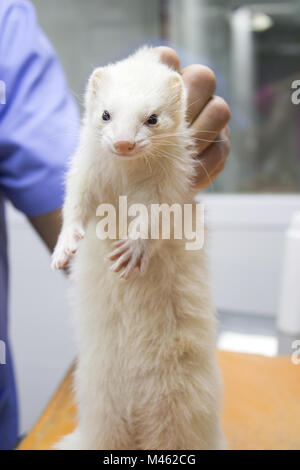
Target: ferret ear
[[93, 86], [175, 86], [95, 80]]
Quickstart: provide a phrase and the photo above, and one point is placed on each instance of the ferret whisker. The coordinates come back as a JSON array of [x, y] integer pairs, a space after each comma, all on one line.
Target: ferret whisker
[[157, 159], [207, 174], [193, 102], [149, 164], [165, 154], [193, 138], [160, 150], [171, 144], [207, 140], [209, 132]]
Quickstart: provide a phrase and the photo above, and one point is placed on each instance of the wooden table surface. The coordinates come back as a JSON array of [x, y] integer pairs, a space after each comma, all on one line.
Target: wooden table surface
[[261, 405]]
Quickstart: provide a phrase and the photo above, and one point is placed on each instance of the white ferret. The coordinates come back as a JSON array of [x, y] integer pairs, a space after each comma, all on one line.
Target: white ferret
[[146, 376]]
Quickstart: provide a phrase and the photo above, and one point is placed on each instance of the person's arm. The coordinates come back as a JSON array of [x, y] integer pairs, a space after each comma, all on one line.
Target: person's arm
[[48, 227], [38, 123]]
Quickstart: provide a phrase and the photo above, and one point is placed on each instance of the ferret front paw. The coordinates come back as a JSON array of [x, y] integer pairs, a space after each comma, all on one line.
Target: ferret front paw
[[66, 247], [128, 255]]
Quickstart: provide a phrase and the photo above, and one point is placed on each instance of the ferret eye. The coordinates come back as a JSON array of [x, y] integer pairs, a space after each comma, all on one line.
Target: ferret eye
[[152, 120], [106, 116]]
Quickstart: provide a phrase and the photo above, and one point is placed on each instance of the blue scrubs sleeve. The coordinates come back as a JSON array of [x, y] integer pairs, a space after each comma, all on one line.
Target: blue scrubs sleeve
[[39, 119]]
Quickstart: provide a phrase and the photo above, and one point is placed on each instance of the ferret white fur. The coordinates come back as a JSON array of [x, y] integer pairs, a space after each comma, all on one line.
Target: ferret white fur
[[146, 375]]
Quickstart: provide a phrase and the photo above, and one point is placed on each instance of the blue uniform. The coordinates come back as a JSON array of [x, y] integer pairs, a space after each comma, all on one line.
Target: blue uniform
[[38, 132]]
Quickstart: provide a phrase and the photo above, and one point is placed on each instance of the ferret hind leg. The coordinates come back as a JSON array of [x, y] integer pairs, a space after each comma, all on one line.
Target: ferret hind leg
[[181, 421]]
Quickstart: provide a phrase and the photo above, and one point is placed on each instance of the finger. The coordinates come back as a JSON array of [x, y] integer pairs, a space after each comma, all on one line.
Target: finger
[[211, 162], [227, 132], [201, 84], [210, 122], [169, 57]]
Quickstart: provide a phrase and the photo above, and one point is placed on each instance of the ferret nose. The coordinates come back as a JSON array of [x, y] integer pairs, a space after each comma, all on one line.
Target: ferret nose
[[124, 146]]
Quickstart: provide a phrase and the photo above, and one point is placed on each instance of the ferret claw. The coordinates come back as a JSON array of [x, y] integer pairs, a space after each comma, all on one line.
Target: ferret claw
[[129, 255], [116, 253], [66, 247], [116, 267]]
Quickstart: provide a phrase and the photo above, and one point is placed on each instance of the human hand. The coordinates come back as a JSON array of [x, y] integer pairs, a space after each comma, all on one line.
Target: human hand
[[208, 116]]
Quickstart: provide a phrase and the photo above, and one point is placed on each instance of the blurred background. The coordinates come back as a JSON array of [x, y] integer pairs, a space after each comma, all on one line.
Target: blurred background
[[254, 50]]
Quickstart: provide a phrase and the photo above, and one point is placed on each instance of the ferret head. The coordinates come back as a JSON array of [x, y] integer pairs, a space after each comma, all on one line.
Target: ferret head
[[134, 105]]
